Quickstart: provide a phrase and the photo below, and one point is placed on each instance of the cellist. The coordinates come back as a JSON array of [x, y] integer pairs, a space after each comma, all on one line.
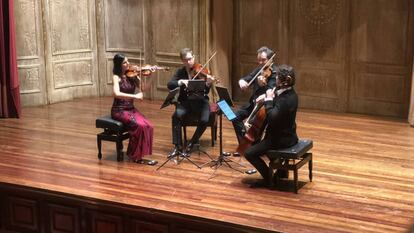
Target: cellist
[[259, 85], [280, 107]]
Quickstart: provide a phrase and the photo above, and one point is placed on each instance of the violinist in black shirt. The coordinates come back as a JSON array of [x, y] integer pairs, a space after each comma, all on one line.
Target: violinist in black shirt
[[195, 104], [259, 86]]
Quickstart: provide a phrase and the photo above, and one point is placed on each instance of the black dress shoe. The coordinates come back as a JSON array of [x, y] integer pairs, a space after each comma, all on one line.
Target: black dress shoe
[[236, 154]]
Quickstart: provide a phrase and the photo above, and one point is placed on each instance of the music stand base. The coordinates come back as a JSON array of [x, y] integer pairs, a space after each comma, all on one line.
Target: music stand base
[[178, 159]]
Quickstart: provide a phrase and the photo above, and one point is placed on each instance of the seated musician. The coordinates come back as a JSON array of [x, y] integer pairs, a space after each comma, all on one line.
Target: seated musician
[[195, 104], [140, 129], [280, 109], [259, 86]]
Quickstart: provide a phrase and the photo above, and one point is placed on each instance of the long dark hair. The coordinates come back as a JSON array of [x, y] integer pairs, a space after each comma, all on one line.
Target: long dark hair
[[118, 60]]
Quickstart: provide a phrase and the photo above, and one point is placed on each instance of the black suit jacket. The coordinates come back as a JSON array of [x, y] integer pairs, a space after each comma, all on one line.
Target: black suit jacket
[[281, 119], [257, 89]]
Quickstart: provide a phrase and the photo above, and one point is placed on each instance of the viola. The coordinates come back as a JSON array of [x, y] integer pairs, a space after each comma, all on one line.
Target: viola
[[262, 71], [267, 71], [144, 70]]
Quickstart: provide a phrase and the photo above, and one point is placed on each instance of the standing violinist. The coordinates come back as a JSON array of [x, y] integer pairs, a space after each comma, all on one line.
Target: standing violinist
[[139, 128], [280, 108], [196, 104], [259, 86]]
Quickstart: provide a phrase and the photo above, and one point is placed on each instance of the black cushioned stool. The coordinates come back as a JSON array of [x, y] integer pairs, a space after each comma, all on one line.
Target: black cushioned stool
[[291, 158], [114, 131]]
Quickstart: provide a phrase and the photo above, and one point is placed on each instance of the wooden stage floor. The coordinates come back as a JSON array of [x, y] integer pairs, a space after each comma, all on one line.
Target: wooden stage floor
[[363, 179]]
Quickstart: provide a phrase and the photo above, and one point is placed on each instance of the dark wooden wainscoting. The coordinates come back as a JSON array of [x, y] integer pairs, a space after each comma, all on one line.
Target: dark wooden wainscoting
[[25, 209]]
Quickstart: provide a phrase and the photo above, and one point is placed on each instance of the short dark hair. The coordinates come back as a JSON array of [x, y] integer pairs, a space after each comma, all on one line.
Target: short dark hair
[[118, 60], [184, 52], [286, 75], [269, 52]]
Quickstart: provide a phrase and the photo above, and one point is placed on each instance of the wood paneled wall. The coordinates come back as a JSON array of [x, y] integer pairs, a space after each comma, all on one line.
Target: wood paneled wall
[[65, 48], [56, 47], [349, 55]]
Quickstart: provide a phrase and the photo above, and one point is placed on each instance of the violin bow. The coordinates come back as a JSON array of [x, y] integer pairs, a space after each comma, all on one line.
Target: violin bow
[[260, 71], [205, 64]]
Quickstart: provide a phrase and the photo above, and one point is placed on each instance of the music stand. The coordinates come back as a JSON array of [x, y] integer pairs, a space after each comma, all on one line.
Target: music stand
[[195, 88], [224, 108], [170, 99], [224, 95]]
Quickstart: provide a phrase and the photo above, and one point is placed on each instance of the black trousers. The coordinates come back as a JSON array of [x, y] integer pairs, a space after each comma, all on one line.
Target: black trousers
[[254, 153], [198, 108]]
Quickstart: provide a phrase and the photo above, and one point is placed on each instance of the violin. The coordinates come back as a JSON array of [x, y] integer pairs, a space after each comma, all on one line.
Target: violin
[[144, 70], [200, 72]]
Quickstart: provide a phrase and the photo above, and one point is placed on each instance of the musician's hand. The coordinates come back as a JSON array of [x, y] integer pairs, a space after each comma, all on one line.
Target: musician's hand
[[262, 81], [139, 96], [260, 98], [210, 79], [243, 84], [182, 81], [270, 94]]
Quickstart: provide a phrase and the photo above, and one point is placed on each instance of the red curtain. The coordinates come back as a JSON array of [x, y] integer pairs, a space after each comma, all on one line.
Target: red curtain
[[9, 81]]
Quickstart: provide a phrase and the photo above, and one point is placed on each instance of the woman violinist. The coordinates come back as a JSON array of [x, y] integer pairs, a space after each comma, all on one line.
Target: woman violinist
[[139, 128]]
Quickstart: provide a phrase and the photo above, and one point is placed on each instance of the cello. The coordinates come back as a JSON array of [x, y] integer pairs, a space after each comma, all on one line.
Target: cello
[[256, 123]]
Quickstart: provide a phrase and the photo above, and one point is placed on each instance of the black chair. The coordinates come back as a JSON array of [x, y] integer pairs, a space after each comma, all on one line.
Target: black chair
[[114, 131], [291, 158], [190, 120]]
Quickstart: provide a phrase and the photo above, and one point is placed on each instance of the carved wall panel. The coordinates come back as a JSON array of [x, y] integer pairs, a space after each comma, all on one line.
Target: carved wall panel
[[381, 60], [178, 30], [124, 25], [29, 79], [121, 29], [71, 64], [30, 52], [318, 51], [72, 35], [72, 73], [27, 29], [258, 23]]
